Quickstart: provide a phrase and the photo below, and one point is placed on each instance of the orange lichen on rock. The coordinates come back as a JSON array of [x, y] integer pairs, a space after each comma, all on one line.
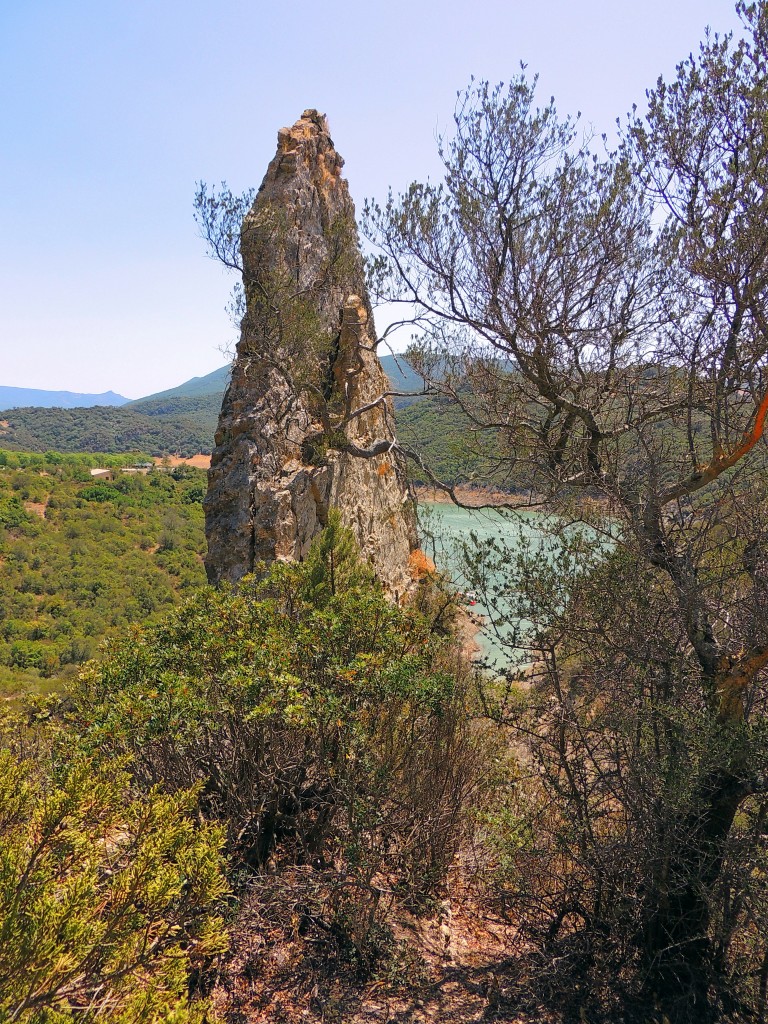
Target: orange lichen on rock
[[420, 565]]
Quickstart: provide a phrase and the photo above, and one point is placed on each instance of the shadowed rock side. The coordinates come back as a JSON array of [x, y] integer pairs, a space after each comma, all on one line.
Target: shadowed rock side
[[305, 368]]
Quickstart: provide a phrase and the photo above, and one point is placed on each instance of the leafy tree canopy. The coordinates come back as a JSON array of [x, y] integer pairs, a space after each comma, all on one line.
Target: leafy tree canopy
[[603, 316]]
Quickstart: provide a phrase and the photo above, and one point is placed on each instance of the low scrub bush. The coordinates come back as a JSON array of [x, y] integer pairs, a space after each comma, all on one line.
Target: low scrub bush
[[107, 897], [323, 725]]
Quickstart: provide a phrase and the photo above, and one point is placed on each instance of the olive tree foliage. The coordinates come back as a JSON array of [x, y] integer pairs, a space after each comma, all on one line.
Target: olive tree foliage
[[531, 253], [219, 214], [604, 317]]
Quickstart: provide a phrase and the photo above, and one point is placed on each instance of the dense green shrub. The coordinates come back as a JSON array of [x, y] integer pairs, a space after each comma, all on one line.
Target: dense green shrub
[[107, 897], [99, 492], [324, 724]]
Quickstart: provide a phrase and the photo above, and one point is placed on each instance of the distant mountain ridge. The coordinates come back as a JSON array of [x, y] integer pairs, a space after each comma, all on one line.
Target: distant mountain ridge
[[19, 398], [180, 420], [401, 376], [214, 383]]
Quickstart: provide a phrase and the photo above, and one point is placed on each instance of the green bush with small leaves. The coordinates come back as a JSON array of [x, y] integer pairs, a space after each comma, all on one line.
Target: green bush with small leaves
[[322, 723], [108, 896], [83, 559]]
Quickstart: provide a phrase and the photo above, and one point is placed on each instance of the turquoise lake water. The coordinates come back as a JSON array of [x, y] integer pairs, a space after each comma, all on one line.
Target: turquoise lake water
[[446, 529]]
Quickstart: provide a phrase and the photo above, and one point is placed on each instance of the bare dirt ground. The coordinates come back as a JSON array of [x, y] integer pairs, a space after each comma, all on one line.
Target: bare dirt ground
[[456, 965], [198, 461], [37, 508]]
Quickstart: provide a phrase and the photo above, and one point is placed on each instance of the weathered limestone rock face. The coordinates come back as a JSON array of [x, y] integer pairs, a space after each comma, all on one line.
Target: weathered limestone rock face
[[306, 383]]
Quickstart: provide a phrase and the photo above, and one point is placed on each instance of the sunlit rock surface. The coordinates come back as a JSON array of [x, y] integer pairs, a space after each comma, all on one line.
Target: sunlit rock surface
[[305, 367]]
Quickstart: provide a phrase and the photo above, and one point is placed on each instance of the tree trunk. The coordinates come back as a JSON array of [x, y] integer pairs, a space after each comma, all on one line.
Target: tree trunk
[[676, 936]]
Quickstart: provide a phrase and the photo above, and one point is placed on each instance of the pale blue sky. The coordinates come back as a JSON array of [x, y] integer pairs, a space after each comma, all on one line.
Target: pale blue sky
[[110, 110]]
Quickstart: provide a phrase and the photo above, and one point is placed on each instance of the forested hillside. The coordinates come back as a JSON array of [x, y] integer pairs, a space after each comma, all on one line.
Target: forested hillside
[[103, 429], [451, 448], [179, 421], [81, 558]]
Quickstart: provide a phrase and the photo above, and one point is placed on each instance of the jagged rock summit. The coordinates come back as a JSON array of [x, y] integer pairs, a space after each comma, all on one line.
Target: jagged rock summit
[[303, 425]]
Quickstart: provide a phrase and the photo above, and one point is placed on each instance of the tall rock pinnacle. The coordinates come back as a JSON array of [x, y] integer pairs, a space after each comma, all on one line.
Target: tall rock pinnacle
[[307, 386]]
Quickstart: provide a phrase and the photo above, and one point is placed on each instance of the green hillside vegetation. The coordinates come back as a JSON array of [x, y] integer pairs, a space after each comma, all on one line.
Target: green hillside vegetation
[[181, 420], [457, 446], [102, 428], [182, 405], [453, 450], [83, 559], [201, 410], [302, 721]]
